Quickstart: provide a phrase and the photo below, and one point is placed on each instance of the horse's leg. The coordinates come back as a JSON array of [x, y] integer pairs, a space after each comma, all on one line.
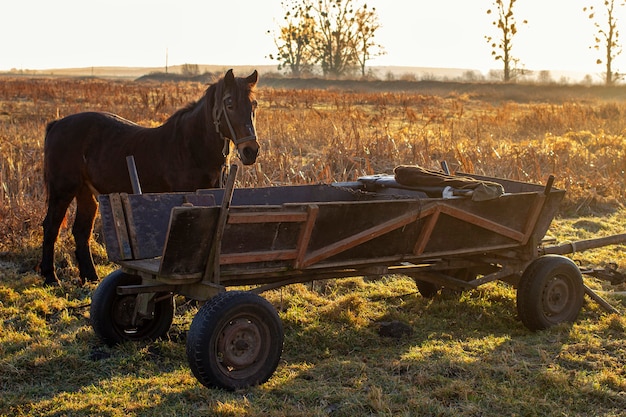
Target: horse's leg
[[86, 207], [57, 208]]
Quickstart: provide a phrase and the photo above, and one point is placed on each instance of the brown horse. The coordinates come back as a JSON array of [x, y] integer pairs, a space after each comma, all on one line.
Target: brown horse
[[85, 155]]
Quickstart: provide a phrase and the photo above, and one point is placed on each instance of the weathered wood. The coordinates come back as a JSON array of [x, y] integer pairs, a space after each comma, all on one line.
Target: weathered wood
[[359, 238], [212, 265], [533, 216], [277, 217], [251, 257], [149, 266], [148, 218], [305, 235], [583, 245], [326, 231], [484, 223], [432, 214], [120, 228], [188, 244]]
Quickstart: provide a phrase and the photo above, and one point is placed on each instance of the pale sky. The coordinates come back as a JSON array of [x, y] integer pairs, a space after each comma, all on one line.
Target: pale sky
[[47, 34]]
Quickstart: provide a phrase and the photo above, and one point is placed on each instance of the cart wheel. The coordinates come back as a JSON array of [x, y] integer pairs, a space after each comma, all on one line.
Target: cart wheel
[[235, 341], [550, 292], [111, 314]]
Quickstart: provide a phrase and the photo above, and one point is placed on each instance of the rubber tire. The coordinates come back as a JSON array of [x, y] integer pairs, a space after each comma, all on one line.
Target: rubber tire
[[550, 292], [110, 312], [228, 318]]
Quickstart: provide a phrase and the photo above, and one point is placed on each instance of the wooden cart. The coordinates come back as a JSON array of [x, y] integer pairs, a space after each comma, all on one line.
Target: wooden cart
[[199, 244]]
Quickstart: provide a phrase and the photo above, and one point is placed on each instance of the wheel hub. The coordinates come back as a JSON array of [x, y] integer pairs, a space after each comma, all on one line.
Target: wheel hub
[[556, 296], [240, 344], [123, 311]]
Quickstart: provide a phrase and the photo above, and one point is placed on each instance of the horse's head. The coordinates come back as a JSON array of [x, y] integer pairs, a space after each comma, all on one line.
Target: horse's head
[[235, 112]]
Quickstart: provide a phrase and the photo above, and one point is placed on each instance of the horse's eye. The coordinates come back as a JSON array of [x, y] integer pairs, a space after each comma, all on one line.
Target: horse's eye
[[229, 103], [254, 104]]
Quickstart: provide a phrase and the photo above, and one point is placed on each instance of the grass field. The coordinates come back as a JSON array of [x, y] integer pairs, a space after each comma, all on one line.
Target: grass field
[[467, 355]]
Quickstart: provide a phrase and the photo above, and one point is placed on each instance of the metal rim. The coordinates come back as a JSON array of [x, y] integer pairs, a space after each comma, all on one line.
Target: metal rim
[[242, 346], [122, 314], [556, 297]]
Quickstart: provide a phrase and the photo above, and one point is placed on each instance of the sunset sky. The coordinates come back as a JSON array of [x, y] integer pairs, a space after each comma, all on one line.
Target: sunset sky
[[45, 34]]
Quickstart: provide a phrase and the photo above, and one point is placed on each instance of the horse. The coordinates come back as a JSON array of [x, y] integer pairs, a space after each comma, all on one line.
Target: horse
[[85, 155]]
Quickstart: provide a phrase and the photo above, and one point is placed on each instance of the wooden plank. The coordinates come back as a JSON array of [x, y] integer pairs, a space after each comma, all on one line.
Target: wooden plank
[[427, 229], [150, 266], [359, 238], [130, 224], [305, 234], [478, 249], [121, 229], [148, 219], [212, 264], [583, 245], [267, 217], [533, 216], [482, 222], [261, 256], [188, 242], [199, 200], [465, 216]]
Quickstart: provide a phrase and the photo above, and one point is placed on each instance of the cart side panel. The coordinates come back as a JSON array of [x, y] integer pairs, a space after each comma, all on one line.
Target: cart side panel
[[257, 237], [296, 244], [462, 226], [265, 232], [293, 194], [342, 222], [148, 217], [189, 239], [114, 229], [549, 211], [507, 216], [139, 230]]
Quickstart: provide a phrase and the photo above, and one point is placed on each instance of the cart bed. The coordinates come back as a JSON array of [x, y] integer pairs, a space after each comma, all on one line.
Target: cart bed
[[278, 234]]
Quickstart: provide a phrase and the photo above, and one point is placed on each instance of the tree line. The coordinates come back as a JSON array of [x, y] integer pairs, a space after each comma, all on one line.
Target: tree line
[[339, 37]]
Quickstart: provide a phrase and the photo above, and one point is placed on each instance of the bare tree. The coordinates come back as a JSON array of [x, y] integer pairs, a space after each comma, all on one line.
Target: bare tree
[[366, 21], [337, 35], [507, 26], [296, 38], [607, 38]]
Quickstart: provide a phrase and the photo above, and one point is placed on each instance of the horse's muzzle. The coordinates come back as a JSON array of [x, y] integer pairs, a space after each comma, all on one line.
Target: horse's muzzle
[[248, 152]]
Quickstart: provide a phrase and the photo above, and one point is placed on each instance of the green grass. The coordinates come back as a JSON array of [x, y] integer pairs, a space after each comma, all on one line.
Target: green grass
[[468, 355]]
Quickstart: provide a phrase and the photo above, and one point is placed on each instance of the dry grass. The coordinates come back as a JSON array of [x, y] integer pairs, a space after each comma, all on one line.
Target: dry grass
[[468, 355]]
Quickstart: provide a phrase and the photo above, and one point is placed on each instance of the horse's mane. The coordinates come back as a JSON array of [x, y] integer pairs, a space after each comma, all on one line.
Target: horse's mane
[[191, 106], [211, 95]]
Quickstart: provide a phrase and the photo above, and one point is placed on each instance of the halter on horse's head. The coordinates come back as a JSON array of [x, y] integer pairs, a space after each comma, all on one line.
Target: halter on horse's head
[[234, 113]]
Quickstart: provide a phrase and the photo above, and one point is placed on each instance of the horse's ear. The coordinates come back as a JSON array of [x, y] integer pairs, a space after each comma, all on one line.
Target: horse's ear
[[229, 78], [253, 78]]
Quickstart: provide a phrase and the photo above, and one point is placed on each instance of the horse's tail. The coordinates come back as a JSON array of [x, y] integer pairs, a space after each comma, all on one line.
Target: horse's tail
[[46, 168], [45, 160]]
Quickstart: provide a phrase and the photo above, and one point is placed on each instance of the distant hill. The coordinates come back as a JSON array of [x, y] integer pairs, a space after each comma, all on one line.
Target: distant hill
[[433, 81], [380, 72], [136, 72]]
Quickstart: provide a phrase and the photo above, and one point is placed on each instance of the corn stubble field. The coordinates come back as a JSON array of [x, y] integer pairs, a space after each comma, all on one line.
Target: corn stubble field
[[467, 354]]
